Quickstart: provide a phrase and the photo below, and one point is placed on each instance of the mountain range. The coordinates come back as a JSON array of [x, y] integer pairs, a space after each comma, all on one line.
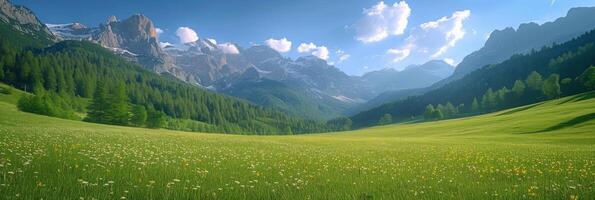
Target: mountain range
[[500, 46], [307, 86]]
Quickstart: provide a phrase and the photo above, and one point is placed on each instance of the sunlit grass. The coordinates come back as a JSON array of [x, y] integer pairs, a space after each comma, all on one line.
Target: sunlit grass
[[504, 155]]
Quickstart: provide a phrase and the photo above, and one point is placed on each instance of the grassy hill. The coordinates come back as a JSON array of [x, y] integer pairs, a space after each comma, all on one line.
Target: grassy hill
[[540, 151]]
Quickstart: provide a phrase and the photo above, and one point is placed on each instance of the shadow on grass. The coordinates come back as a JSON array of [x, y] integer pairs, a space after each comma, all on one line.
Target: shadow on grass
[[519, 109], [572, 122], [579, 97]]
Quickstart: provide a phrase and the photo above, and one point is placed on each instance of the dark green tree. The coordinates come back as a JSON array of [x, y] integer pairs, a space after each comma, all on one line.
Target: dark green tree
[[551, 86], [475, 105], [119, 111], [534, 81], [587, 78], [98, 109], [139, 115], [518, 88], [155, 119]]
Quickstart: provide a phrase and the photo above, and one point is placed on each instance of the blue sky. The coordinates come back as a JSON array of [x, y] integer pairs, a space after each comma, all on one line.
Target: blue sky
[[408, 32]]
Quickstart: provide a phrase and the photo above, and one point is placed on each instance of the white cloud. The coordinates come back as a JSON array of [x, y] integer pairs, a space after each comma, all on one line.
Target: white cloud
[[281, 45], [158, 31], [212, 40], [342, 55], [449, 61], [382, 20], [318, 51], [399, 54], [321, 52], [432, 39], [164, 44], [186, 35], [304, 48], [452, 27], [228, 48]]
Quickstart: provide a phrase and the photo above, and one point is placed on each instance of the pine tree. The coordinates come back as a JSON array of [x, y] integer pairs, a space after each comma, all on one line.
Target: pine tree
[[97, 111], [119, 110], [139, 115], [475, 105], [155, 119]]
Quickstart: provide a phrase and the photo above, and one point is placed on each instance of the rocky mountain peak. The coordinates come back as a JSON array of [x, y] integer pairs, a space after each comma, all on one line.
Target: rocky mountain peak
[[23, 19], [111, 19]]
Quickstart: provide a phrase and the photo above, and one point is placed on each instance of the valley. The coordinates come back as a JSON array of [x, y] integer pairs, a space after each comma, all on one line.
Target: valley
[[507, 154], [351, 100]]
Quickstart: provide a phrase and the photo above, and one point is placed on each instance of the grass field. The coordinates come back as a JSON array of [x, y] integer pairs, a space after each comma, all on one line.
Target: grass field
[[542, 151]]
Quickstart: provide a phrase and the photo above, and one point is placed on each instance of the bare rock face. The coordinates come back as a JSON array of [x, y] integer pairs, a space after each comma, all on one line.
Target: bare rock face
[[136, 34], [138, 38], [23, 19]]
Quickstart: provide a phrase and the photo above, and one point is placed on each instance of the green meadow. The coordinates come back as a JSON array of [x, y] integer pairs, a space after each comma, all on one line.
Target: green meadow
[[540, 151]]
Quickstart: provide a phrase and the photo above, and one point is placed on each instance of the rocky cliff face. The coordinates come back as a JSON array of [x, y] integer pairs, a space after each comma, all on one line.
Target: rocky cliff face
[[134, 38], [23, 19]]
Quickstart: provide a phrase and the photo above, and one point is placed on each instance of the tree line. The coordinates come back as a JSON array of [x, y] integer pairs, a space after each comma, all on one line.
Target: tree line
[[493, 87], [64, 76]]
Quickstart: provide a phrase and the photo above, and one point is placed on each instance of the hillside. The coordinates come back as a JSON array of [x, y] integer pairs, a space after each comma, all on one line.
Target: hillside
[[564, 61], [541, 151]]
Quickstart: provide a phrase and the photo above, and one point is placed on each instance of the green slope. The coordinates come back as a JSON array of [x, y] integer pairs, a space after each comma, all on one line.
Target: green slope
[[542, 151]]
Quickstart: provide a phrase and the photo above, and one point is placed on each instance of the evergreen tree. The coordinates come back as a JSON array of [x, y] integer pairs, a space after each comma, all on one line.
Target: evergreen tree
[[475, 105], [139, 115], [119, 110], [98, 109], [551, 86], [155, 119]]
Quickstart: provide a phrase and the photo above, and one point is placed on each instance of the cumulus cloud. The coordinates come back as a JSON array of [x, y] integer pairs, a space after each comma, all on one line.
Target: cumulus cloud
[[321, 52], [382, 20], [212, 40], [281, 45], [186, 35], [433, 38], [304, 48], [228, 48], [318, 51], [158, 31]]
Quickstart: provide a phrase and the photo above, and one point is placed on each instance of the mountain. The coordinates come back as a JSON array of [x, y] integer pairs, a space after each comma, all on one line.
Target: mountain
[[134, 38], [413, 76], [18, 23], [323, 90], [502, 44], [307, 86], [492, 84]]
